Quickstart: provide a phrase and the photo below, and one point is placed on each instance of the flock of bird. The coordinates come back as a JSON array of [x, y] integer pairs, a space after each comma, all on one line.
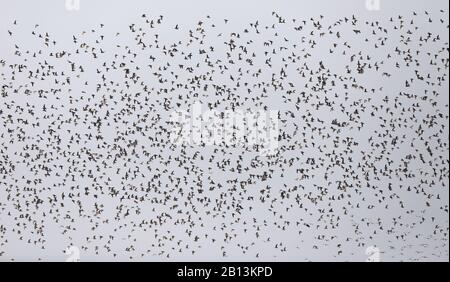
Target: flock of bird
[[363, 156]]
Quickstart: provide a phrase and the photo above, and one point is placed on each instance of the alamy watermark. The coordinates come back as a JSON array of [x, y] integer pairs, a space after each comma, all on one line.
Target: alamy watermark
[[373, 5], [255, 129], [373, 253], [72, 5], [73, 254]]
